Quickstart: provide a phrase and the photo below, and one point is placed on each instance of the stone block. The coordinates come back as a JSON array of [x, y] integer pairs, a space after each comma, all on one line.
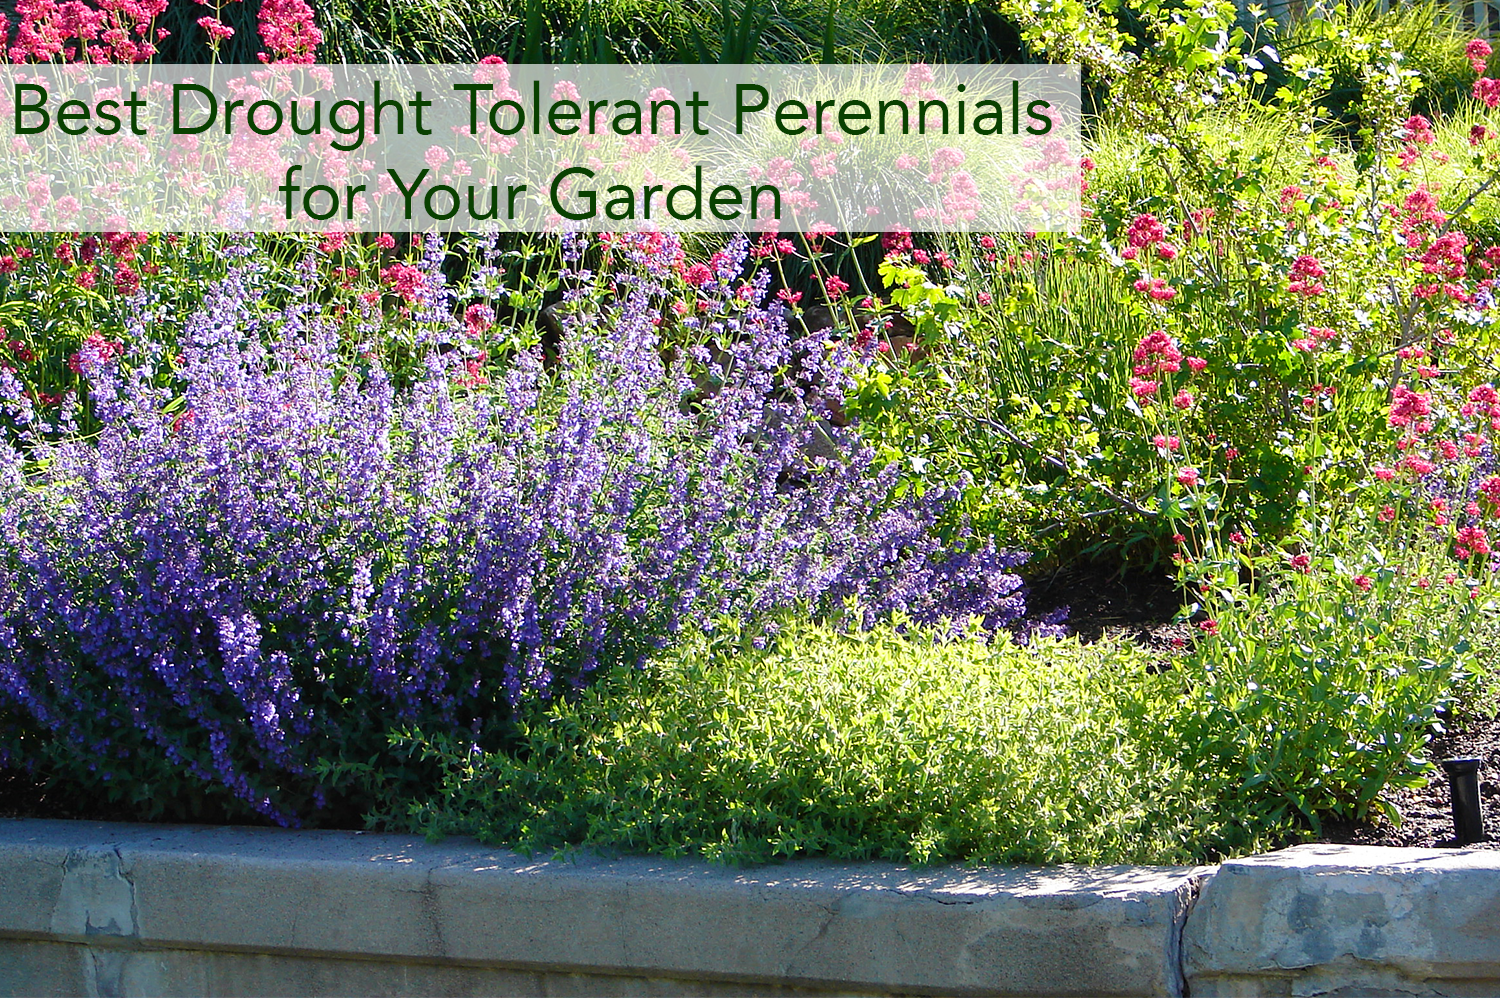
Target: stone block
[[1324, 919]]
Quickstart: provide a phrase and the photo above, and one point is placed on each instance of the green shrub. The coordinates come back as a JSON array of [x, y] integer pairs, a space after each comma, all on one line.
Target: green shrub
[[1315, 692], [1308, 697], [853, 746]]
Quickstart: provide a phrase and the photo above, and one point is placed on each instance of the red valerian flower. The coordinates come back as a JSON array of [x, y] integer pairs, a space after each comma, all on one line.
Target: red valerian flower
[[1478, 53], [1407, 406], [478, 318], [1305, 276], [405, 280], [96, 350], [1145, 231], [1157, 288], [1470, 541], [1156, 352]]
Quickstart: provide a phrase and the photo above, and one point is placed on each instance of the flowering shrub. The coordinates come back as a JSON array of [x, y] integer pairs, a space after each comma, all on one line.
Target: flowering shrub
[[1239, 268], [209, 597], [1325, 660]]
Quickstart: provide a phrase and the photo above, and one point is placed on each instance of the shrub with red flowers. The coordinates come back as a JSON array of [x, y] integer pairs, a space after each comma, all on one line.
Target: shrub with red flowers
[[1258, 361]]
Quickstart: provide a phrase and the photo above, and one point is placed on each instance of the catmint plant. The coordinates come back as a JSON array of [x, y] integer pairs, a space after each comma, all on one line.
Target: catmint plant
[[273, 562]]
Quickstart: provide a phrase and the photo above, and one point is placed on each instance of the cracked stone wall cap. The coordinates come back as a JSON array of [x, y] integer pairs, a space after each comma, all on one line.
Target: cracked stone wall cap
[[336, 895]]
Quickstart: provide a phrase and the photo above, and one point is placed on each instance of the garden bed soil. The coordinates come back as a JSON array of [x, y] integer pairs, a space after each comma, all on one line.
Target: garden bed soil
[[1102, 600], [1426, 812]]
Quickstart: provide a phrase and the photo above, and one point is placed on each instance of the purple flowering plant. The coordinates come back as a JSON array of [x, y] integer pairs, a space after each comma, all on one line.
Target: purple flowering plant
[[262, 553]]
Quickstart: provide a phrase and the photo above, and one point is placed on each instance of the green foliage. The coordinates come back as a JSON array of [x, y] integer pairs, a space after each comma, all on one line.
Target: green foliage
[[740, 34], [911, 748], [851, 746], [1314, 696], [1349, 39]]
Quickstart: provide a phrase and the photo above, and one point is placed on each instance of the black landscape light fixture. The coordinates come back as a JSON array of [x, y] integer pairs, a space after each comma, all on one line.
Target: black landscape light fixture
[[1463, 784]]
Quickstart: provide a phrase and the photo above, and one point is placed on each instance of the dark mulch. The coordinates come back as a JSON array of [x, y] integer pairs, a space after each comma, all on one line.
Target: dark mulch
[[1426, 812], [25, 796], [1101, 599]]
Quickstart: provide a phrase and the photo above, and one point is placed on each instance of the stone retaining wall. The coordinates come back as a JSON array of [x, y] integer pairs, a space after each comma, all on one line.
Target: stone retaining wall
[[100, 909]]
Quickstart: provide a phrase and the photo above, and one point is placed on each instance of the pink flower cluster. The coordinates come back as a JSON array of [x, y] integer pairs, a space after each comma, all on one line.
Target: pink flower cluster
[[1478, 53], [697, 275], [478, 318], [1409, 410], [217, 30], [1419, 212], [1490, 488], [1418, 133], [918, 82], [118, 31], [1470, 541], [1146, 232], [896, 241], [1483, 402], [404, 279], [1487, 91], [1316, 337], [1419, 130], [1157, 353], [95, 352], [287, 28], [1306, 276], [1156, 288], [1447, 257]]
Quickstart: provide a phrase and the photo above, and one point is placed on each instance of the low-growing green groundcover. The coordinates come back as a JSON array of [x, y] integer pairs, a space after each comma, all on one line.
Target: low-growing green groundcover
[[882, 744], [905, 744]]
